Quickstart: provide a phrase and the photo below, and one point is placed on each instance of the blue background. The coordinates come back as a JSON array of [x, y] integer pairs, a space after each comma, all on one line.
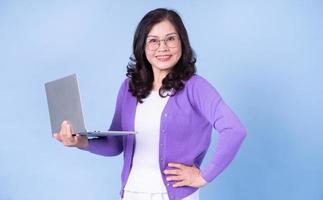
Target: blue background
[[264, 57]]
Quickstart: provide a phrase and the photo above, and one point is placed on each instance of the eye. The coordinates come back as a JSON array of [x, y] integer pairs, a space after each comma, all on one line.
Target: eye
[[171, 38], [152, 40]]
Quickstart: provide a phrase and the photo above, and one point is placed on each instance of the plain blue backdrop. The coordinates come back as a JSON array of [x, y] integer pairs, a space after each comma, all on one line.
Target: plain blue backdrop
[[264, 57]]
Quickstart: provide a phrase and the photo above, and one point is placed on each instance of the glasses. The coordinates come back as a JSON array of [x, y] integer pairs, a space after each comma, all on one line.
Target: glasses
[[153, 44]]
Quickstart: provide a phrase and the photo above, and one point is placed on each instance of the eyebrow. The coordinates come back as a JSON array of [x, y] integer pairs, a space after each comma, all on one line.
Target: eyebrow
[[165, 35]]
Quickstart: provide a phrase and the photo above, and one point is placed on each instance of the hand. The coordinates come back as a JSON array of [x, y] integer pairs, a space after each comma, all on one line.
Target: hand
[[185, 175], [65, 136]]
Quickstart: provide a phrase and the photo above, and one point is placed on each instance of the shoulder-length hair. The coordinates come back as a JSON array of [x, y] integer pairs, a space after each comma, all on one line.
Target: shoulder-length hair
[[139, 70]]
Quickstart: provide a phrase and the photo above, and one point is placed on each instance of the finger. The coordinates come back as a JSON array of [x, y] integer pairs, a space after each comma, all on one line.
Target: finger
[[177, 165], [173, 171], [63, 125], [57, 137], [76, 139], [67, 136], [79, 136], [70, 136], [174, 178], [180, 184], [68, 143], [63, 129], [194, 166], [68, 131]]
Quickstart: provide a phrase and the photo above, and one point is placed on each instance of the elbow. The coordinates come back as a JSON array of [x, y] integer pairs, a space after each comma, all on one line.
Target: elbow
[[115, 151], [114, 146], [112, 154], [242, 132]]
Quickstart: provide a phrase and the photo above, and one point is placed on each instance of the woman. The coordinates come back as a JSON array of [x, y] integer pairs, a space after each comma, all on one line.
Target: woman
[[173, 110]]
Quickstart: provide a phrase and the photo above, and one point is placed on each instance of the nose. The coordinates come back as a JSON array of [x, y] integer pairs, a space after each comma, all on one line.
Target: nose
[[162, 45]]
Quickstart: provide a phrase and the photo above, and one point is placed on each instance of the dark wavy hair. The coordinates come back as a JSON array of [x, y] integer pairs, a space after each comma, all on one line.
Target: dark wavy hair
[[139, 70]]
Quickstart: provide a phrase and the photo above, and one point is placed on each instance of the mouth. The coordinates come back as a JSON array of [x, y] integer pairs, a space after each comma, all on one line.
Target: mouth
[[163, 58]]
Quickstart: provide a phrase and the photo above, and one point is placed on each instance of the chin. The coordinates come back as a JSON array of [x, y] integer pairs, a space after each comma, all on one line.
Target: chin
[[164, 67]]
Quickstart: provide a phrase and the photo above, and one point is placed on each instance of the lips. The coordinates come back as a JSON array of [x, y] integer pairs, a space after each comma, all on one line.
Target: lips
[[163, 57]]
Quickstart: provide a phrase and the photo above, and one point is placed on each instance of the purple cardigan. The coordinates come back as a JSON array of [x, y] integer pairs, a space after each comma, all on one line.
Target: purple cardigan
[[185, 132]]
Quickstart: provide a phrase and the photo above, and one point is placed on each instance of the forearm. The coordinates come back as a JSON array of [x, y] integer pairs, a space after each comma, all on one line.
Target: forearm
[[227, 146], [105, 146]]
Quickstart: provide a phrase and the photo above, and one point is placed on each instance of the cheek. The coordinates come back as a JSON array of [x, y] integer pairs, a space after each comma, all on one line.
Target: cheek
[[178, 54], [149, 56]]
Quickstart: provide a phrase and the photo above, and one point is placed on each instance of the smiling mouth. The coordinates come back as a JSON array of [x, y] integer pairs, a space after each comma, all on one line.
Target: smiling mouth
[[163, 57]]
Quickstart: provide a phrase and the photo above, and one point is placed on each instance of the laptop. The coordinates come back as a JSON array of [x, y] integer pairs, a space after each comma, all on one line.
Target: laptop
[[64, 103]]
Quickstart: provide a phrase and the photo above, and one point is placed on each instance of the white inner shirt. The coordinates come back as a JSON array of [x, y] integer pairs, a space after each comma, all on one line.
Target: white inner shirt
[[145, 175]]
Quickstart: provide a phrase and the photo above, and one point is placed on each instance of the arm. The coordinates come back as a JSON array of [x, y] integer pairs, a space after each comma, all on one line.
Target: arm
[[231, 131], [111, 145]]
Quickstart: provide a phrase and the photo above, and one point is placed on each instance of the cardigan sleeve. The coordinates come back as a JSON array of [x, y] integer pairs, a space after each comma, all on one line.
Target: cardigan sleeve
[[110, 145], [231, 131]]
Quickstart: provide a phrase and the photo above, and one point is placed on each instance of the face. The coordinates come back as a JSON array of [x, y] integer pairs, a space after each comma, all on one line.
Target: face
[[163, 47]]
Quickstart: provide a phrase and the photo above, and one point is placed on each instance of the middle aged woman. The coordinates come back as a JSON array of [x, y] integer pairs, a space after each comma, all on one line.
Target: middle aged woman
[[173, 110]]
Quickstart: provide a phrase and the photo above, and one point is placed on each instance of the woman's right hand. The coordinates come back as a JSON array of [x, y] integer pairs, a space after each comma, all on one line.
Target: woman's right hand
[[65, 136]]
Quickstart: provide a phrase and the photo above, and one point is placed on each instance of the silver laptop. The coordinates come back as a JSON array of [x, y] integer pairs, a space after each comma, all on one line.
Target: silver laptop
[[64, 103]]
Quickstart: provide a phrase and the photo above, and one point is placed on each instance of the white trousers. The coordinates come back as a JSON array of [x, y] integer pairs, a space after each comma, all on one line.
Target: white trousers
[[154, 196]]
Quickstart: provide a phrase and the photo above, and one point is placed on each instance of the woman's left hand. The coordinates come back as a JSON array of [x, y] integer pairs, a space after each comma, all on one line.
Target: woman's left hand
[[185, 175]]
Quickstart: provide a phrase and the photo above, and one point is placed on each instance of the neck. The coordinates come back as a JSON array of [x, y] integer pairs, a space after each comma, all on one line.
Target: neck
[[158, 78]]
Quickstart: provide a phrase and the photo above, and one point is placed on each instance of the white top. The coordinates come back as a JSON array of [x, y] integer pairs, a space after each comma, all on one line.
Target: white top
[[145, 175]]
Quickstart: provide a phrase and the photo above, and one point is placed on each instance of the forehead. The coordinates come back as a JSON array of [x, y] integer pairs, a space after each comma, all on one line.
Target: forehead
[[162, 28]]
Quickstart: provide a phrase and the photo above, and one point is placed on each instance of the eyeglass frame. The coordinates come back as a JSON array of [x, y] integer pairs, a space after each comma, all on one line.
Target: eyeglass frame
[[159, 41]]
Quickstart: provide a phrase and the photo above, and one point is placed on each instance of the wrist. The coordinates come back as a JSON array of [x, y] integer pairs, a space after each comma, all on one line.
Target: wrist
[[84, 145], [202, 181]]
